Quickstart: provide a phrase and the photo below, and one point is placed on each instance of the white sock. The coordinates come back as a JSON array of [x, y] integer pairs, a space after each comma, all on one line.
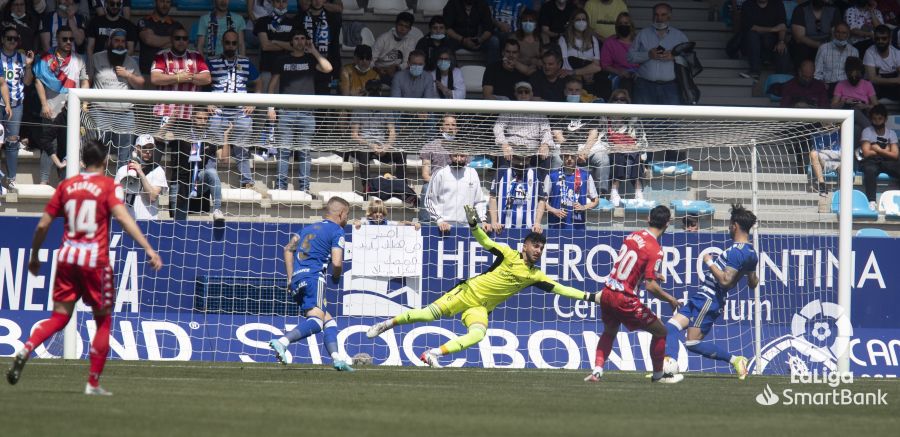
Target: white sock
[[639, 193], [284, 341], [436, 351], [598, 371], [335, 356], [614, 191]]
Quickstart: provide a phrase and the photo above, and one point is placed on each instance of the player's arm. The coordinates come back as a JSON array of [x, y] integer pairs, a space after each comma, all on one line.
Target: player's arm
[[752, 280], [131, 228], [480, 236], [653, 286], [337, 264], [726, 278], [40, 234], [562, 290], [289, 250]]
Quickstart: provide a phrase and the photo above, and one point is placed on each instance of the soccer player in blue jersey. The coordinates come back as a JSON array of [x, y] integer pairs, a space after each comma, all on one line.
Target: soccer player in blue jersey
[[306, 259], [706, 303]]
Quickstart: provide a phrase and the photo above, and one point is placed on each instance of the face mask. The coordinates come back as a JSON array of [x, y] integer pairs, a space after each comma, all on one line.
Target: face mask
[[229, 53], [623, 30], [529, 26], [279, 12], [573, 98], [840, 43], [416, 70], [580, 25], [61, 9], [444, 65], [437, 36], [122, 52], [362, 70], [661, 26], [17, 16], [448, 137]]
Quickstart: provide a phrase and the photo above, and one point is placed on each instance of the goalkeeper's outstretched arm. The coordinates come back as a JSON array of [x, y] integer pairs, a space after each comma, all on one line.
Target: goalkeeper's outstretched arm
[[481, 237], [562, 290]]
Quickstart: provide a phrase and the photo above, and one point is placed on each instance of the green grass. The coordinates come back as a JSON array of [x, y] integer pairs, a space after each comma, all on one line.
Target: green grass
[[224, 399]]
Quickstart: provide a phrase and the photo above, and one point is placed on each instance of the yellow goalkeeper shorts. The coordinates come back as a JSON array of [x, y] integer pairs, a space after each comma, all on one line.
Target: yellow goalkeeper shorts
[[456, 301]]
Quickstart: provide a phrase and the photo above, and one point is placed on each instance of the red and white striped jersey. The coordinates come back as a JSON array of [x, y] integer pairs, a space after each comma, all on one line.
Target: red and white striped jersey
[[168, 62], [85, 202]]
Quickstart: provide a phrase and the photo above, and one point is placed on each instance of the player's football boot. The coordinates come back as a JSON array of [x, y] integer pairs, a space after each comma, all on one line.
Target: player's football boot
[[15, 370], [342, 366], [96, 391], [595, 375], [279, 351], [739, 364], [431, 359], [668, 378], [376, 329]]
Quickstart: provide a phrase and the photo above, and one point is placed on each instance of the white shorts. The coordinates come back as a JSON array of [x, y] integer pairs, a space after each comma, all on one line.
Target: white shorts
[[830, 160]]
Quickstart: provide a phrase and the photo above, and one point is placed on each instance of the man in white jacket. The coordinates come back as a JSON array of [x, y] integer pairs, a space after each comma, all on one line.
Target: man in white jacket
[[452, 187]]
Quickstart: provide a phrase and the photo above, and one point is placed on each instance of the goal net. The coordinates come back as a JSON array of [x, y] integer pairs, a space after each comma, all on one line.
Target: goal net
[[222, 295]]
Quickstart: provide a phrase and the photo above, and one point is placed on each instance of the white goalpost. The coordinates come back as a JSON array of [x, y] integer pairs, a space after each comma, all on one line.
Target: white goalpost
[[725, 155]]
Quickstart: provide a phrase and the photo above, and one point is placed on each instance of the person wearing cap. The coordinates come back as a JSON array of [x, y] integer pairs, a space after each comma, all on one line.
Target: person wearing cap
[[355, 76], [524, 135], [454, 186], [102, 27], [113, 69], [274, 33], [143, 180], [567, 194]]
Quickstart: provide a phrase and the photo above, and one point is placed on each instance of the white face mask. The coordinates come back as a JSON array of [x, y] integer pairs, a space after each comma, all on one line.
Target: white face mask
[[448, 137], [580, 25], [362, 70], [279, 11], [17, 16], [573, 98], [661, 26], [443, 64], [119, 51], [437, 36], [416, 70]]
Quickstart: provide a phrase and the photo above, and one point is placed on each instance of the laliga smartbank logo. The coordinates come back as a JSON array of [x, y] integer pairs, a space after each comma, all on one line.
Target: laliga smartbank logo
[[805, 389]]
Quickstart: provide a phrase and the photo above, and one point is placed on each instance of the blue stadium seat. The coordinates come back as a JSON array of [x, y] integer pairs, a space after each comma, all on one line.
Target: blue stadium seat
[[831, 176], [789, 6], [889, 204], [772, 80], [604, 206], [860, 206], [638, 206], [882, 177], [692, 207], [872, 233], [142, 4], [481, 162], [194, 5], [671, 168]]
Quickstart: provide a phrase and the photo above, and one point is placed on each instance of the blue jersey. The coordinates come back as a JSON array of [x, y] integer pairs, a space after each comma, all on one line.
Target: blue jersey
[[517, 194], [564, 190], [741, 257], [231, 76], [14, 72], [314, 250]]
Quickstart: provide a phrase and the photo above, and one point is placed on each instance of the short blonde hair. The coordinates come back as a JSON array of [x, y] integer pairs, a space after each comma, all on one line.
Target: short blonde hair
[[375, 206]]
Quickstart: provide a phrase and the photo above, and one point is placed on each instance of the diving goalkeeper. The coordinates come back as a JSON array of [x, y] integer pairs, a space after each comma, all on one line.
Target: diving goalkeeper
[[476, 297]]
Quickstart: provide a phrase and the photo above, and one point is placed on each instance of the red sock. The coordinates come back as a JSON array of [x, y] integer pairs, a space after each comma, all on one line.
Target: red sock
[[54, 324], [604, 346], [657, 352], [99, 348]]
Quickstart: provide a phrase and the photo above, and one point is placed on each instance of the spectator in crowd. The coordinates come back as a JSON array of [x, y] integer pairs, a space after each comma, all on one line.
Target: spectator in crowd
[[392, 48], [413, 82], [524, 135], [626, 138], [274, 34], [804, 89], [514, 196], [435, 41], [324, 30], [548, 82], [114, 69], [652, 51], [505, 14], [832, 56], [580, 51], [233, 73], [690, 223], [60, 69], [66, 15], [603, 16], [435, 156], [825, 157], [764, 29], [256, 10], [178, 69], [863, 17], [17, 74], [580, 132], [855, 93], [448, 78], [196, 168], [575, 92], [553, 18], [21, 15], [890, 11], [882, 61], [100, 27], [452, 187], [213, 25], [614, 53], [567, 194], [500, 77], [98, 8], [470, 26], [355, 76], [156, 34], [879, 151], [143, 180], [812, 23], [529, 38], [376, 215], [296, 75]]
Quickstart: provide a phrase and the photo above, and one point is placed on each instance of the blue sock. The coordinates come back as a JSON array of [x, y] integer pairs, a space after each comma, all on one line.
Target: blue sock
[[310, 326], [672, 340], [331, 337], [708, 350]]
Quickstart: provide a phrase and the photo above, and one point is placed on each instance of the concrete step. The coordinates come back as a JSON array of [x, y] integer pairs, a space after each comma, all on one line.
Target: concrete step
[[786, 198], [709, 176], [723, 91], [735, 101]]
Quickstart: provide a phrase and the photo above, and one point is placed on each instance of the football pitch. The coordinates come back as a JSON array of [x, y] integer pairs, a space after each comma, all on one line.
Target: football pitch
[[225, 399]]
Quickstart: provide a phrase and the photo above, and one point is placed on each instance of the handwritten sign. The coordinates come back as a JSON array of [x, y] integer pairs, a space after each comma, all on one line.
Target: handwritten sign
[[391, 251]]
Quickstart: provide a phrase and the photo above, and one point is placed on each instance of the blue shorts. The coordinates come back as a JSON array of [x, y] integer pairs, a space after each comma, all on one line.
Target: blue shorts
[[701, 311], [308, 292]]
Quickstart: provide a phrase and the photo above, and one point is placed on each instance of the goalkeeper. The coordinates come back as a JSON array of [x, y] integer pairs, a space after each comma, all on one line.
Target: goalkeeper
[[476, 297]]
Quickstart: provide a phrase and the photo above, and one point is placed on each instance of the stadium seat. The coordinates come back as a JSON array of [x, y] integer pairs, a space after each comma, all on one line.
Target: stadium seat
[[860, 206], [692, 207], [889, 204], [473, 75], [289, 196], [872, 233], [481, 162], [349, 196], [789, 6], [239, 6], [882, 177], [831, 176], [638, 206], [775, 79], [388, 7], [431, 7], [604, 205], [668, 168], [368, 38], [143, 4], [240, 195], [352, 7]]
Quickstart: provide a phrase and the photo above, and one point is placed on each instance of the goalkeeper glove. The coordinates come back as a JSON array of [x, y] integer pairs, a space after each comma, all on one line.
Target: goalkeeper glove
[[472, 216]]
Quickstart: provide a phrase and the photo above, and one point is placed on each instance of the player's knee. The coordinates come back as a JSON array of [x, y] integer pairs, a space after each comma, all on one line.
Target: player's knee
[[691, 345], [477, 331]]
